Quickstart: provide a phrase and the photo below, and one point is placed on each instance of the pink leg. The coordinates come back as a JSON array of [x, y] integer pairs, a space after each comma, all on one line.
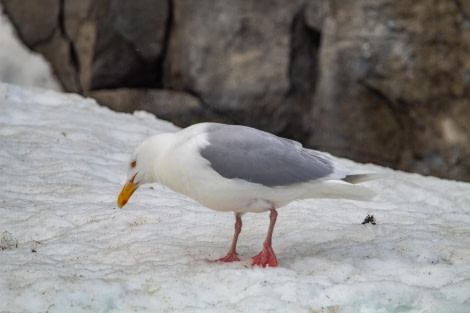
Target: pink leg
[[267, 256], [232, 254]]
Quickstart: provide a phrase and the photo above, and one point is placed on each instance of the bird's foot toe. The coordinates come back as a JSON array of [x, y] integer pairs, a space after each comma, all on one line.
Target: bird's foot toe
[[230, 257], [265, 258]]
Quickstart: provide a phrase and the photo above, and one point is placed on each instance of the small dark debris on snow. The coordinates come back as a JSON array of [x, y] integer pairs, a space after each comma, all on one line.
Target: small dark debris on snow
[[369, 219]]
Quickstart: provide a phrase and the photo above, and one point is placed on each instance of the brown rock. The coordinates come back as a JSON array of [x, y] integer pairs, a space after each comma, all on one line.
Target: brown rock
[[179, 107], [96, 44], [394, 79], [58, 51], [235, 56], [35, 23], [129, 44], [316, 13]]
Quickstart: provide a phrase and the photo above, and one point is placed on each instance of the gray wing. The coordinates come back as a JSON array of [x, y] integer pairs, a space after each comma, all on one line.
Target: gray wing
[[259, 157]]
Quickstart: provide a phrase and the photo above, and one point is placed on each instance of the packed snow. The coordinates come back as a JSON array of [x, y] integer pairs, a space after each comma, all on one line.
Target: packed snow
[[66, 247]]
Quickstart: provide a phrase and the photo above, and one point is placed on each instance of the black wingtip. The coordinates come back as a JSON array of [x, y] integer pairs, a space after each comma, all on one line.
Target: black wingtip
[[360, 178]]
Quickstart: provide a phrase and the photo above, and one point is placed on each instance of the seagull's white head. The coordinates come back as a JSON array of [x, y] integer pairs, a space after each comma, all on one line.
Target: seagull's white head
[[142, 166]]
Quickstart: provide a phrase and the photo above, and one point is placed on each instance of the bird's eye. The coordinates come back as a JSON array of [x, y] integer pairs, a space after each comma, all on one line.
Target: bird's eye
[[133, 164]]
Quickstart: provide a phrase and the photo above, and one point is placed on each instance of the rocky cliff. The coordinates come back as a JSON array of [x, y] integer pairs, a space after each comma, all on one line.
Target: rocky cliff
[[377, 81]]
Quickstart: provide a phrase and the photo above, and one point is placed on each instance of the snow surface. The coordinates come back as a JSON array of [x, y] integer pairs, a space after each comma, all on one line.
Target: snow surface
[[19, 65], [68, 248]]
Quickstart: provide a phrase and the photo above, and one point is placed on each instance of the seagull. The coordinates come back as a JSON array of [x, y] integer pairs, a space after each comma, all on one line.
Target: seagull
[[240, 169]]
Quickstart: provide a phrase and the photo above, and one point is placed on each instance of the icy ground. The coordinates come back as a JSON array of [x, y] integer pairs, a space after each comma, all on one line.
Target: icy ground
[[66, 247]]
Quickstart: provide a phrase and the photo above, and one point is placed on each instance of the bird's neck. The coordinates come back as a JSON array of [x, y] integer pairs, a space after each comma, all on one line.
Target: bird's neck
[[161, 145]]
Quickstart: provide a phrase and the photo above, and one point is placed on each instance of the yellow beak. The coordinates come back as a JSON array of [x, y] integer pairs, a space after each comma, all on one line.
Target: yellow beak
[[126, 193]]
